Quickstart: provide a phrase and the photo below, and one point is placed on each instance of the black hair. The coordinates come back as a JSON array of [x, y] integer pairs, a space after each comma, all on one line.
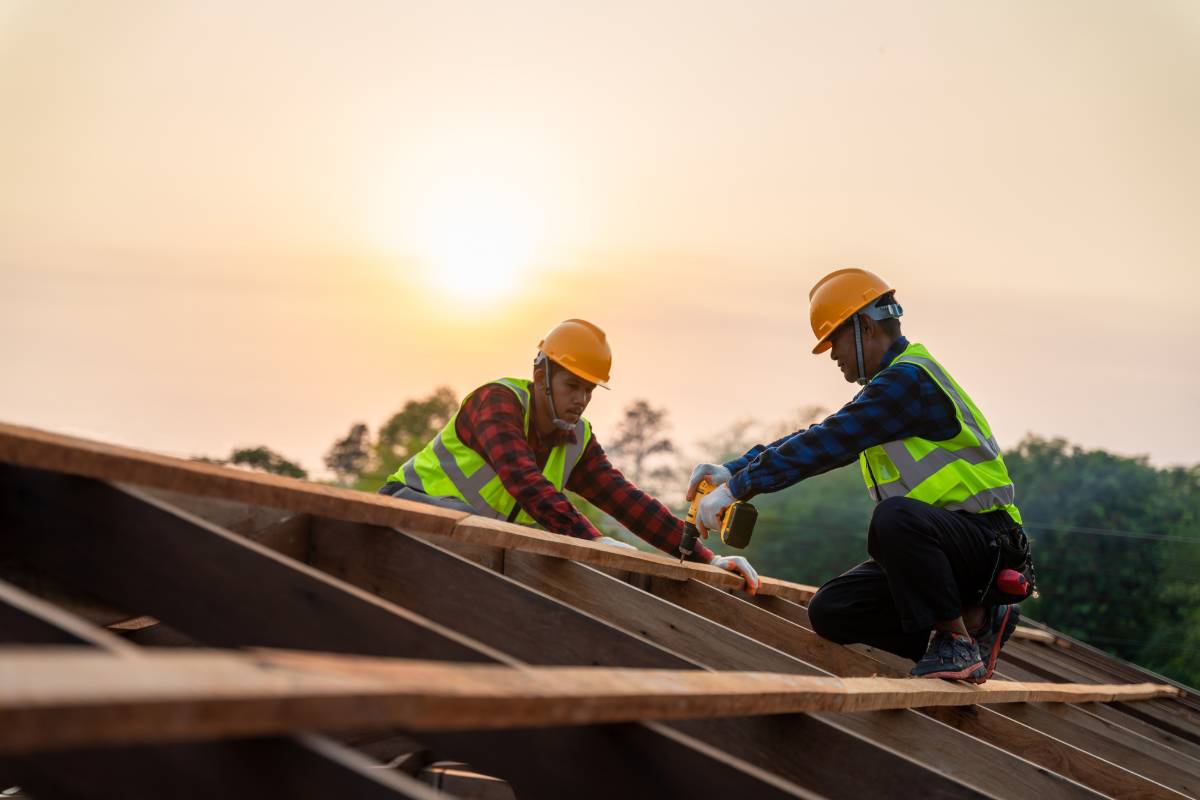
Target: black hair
[[890, 327]]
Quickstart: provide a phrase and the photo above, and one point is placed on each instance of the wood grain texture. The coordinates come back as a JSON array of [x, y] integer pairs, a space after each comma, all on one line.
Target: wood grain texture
[[206, 582], [52, 698], [649, 617], [1061, 757], [489, 607], [70, 455], [762, 626], [75, 456]]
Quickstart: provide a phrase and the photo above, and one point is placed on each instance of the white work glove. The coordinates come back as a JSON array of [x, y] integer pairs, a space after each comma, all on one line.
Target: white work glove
[[712, 509], [611, 542], [742, 567], [715, 473]]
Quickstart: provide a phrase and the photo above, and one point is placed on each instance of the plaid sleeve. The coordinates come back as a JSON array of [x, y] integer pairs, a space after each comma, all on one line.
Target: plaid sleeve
[[596, 479], [492, 423], [896, 404]]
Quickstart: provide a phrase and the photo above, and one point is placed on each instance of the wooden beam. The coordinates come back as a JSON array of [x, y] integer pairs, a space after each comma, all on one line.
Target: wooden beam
[[304, 768], [65, 697], [29, 447], [491, 608], [647, 760], [1109, 778], [822, 765], [205, 582], [1116, 750], [181, 771], [31, 502], [25, 619], [647, 616], [756, 623]]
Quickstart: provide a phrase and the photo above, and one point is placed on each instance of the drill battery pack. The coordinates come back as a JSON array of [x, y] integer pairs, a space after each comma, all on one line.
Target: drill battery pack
[[738, 525]]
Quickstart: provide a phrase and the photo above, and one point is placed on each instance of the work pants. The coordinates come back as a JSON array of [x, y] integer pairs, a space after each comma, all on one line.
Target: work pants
[[926, 565]]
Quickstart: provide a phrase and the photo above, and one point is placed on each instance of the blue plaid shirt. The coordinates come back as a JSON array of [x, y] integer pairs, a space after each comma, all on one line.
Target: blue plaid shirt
[[900, 401]]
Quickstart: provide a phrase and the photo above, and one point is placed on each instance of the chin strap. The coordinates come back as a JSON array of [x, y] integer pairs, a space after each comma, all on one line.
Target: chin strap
[[561, 424], [877, 313], [858, 353]]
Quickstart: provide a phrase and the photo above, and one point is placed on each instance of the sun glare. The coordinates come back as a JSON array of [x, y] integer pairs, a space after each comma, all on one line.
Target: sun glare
[[477, 243]]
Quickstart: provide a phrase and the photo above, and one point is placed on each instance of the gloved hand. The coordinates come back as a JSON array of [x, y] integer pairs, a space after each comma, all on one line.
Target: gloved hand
[[611, 542], [715, 473], [741, 566], [712, 508]]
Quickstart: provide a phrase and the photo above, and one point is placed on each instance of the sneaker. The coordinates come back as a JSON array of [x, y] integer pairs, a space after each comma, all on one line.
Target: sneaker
[[952, 656], [1000, 625]]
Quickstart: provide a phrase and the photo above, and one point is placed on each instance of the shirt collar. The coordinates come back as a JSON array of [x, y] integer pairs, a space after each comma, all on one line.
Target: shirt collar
[[893, 353]]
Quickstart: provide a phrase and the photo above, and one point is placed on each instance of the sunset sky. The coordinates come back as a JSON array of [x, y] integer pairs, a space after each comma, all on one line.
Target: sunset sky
[[225, 223]]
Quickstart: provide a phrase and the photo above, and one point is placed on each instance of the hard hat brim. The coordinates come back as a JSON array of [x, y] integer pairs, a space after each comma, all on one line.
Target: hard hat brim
[[579, 373]]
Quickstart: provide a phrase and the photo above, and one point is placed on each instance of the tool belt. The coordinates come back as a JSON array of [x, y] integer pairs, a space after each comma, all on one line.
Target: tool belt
[[1012, 552]]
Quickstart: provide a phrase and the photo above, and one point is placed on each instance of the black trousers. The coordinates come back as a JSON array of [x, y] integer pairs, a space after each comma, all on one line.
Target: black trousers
[[926, 565]]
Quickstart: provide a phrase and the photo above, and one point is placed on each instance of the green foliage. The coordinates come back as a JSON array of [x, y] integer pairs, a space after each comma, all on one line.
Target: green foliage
[[1116, 546], [813, 531], [350, 456], [405, 433], [261, 459]]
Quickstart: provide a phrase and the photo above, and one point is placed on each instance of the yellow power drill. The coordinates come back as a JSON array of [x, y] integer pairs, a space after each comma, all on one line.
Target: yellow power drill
[[736, 526]]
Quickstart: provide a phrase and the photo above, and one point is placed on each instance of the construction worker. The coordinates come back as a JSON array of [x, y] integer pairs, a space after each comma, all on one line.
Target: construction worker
[[945, 522], [515, 445]]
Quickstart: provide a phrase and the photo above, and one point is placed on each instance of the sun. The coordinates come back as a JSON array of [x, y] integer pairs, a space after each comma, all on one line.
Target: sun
[[477, 242]]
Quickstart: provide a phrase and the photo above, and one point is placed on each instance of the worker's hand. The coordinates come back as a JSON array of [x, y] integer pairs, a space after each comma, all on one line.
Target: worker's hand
[[712, 509], [742, 567], [611, 542], [715, 473]]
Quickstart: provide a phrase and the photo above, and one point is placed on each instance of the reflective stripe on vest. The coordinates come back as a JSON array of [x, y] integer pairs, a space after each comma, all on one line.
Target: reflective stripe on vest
[[437, 471], [965, 473]]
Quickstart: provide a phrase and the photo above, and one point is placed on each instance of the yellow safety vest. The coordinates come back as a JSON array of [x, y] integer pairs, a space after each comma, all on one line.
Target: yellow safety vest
[[964, 473], [448, 468]]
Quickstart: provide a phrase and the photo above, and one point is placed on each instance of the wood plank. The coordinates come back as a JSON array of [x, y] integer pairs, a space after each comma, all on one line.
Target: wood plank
[[751, 731], [622, 761], [65, 454], [32, 498], [1051, 663], [303, 768], [491, 608], [1053, 754], [647, 616], [71, 455], [54, 698], [988, 765], [207, 583], [376, 555], [1114, 750], [26, 619], [157, 772], [756, 623]]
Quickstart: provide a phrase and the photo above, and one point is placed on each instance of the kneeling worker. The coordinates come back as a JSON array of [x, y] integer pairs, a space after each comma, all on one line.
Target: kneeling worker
[[945, 524], [515, 445]]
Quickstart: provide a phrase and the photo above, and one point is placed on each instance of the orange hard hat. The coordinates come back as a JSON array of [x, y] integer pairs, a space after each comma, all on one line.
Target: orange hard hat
[[579, 347], [837, 297]]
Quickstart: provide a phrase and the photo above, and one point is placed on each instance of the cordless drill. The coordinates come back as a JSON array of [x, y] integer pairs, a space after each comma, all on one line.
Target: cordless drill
[[736, 526]]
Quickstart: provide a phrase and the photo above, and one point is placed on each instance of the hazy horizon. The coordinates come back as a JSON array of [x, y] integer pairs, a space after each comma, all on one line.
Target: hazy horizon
[[225, 225]]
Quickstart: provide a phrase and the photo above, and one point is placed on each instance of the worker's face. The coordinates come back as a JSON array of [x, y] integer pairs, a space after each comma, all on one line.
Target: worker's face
[[873, 342], [572, 394], [842, 352]]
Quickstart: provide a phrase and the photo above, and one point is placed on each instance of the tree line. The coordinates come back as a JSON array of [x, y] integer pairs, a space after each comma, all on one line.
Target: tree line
[[1116, 540]]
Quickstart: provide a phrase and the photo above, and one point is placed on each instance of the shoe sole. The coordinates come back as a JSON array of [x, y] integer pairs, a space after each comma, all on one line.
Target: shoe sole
[[994, 653], [960, 675]]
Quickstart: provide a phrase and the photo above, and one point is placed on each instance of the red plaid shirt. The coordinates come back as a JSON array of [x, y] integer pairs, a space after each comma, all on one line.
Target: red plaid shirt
[[492, 423]]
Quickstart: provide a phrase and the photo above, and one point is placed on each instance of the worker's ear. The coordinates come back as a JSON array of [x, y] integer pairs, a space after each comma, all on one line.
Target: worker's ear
[[539, 374]]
